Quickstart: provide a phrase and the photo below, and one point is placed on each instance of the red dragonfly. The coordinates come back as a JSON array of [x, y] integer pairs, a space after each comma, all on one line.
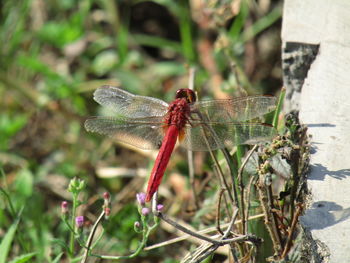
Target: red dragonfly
[[150, 123]]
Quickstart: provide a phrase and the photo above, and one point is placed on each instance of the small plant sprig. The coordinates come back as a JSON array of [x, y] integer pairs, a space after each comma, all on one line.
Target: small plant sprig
[[145, 227], [282, 213], [75, 223]]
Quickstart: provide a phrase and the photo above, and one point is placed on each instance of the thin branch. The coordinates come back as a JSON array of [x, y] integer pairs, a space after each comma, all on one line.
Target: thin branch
[[247, 206], [218, 211], [273, 214], [227, 157], [91, 237], [205, 253], [186, 230], [241, 186], [192, 74], [264, 202], [291, 231], [251, 238], [232, 222], [203, 231]]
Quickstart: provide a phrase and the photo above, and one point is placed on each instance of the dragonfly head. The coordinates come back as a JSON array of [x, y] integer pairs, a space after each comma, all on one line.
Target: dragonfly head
[[188, 94]]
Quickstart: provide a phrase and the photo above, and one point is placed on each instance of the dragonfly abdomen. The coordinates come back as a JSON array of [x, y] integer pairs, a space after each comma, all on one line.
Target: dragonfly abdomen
[[162, 161]]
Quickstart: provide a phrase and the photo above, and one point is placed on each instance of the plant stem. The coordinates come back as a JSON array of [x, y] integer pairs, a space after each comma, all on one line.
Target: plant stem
[[72, 233], [146, 232], [185, 31], [91, 237], [241, 186], [278, 108]]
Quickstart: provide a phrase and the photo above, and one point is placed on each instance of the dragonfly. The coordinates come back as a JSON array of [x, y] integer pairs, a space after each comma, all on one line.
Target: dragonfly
[[150, 123]]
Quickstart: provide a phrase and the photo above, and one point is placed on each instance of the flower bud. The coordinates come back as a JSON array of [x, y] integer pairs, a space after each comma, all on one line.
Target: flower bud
[[145, 211], [79, 221], [137, 227], [141, 198], [82, 185], [160, 207], [64, 207], [76, 185]]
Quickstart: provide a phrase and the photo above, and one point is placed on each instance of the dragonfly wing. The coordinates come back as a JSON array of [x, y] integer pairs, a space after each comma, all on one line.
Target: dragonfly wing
[[144, 133], [234, 110], [129, 105], [202, 136]]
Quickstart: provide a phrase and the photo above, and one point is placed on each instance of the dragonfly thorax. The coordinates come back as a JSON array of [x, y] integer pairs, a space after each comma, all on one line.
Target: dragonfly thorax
[[178, 113]]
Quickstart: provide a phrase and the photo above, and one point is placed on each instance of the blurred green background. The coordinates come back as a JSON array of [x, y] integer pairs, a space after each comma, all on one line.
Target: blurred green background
[[55, 53]]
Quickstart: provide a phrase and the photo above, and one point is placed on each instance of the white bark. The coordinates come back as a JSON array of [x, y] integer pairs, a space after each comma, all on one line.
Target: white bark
[[325, 107]]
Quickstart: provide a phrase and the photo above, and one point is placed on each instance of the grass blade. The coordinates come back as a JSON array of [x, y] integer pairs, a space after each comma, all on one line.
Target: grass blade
[[6, 242], [278, 108], [23, 258]]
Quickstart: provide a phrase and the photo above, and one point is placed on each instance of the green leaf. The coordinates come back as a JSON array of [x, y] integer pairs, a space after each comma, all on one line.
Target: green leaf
[[23, 258], [130, 81], [60, 243], [24, 183], [104, 62], [262, 23], [281, 166], [56, 85], [9, 126], [37, 66], [251, 168], [58, 258], [101, 43], [6, 242], [166, 69], [159, 42], [59, 33]]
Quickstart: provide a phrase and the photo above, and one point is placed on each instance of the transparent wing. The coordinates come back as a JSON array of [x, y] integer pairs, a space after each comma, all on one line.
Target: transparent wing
[[216, 135], [129, 105], [234, 110], [144, 133]]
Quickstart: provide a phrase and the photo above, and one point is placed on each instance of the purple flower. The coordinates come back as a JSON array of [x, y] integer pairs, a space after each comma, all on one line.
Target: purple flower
[[145, 211], [64, 207], [160, 207], [79, 221], [141, 198]]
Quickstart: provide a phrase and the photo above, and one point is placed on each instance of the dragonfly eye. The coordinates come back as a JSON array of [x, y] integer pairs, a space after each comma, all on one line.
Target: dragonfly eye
[[188, 94]]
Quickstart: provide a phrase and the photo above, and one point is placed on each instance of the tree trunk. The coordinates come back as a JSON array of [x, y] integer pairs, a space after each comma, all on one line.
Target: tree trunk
[[316, 64]]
